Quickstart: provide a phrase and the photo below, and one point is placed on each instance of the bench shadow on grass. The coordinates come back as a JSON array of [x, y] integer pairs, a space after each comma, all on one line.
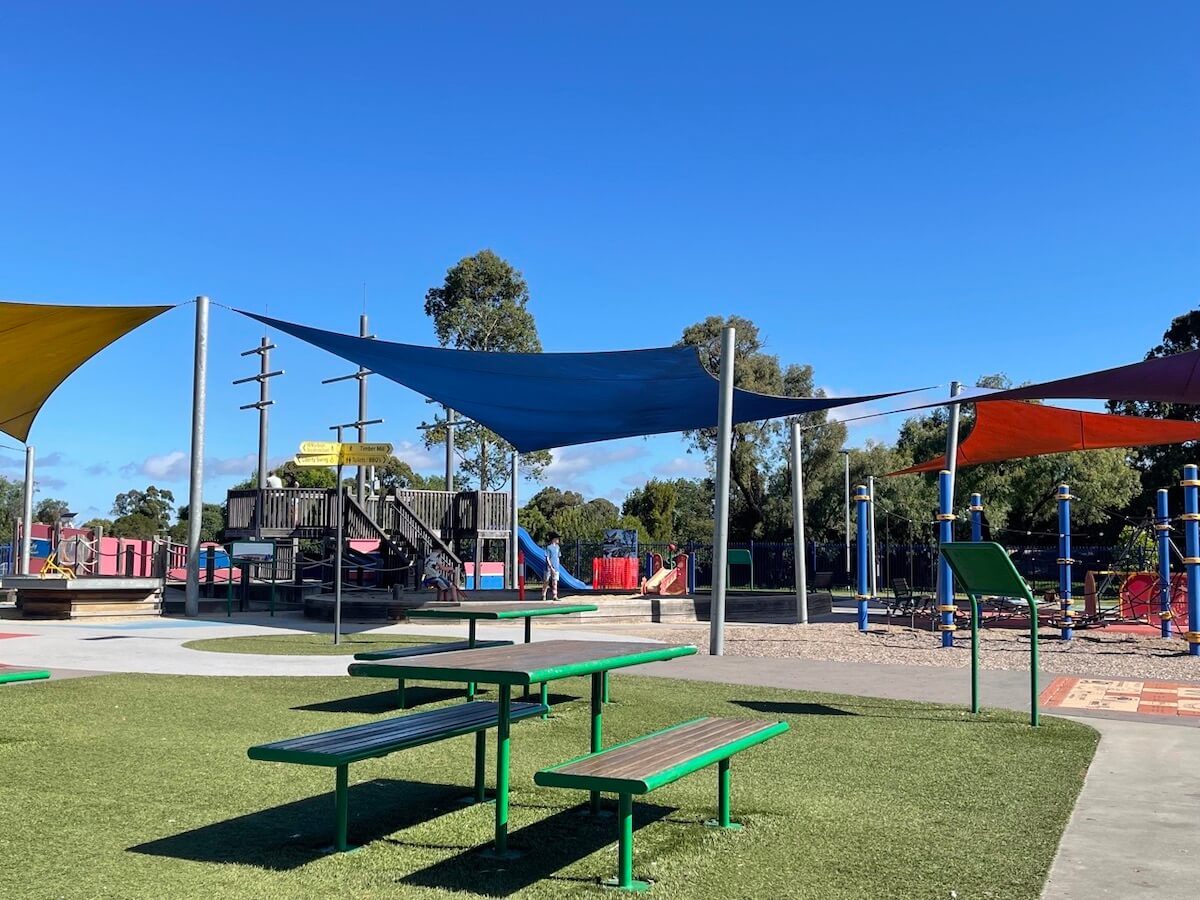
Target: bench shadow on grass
[[794, 708], [294, 834], [546, 847], [417, 695], [866, 707]]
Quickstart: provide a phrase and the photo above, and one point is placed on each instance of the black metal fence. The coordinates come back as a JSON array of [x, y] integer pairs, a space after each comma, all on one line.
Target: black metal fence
[[916, 563]]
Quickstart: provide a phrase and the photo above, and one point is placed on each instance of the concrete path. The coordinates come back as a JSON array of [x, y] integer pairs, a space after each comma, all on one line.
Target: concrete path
[[1135, 831], [155, 647]]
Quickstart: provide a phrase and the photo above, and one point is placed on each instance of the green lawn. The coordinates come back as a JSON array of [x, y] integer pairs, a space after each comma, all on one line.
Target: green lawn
[[139, 786], [313, 644]]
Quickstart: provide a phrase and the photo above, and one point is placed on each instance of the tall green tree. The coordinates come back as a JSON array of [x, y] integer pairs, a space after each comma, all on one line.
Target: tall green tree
[[11, 497], [759, 449], [654, 506], [1162, 466], [482, 305], [50, 510], [212, 522]]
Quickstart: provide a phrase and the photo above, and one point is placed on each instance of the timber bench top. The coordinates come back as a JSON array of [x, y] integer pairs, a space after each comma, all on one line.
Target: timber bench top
[[514, 610], [522, 664], [425, 649], [358, 742], [643, 764]]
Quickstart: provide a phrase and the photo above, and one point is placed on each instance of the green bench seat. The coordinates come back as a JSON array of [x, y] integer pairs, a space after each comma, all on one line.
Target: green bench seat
[[649, 762], [337, 749], [11, 674], [424, 650]]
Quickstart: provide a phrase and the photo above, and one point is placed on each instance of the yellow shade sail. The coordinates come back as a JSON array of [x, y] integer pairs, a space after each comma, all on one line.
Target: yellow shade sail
[[40, 346]]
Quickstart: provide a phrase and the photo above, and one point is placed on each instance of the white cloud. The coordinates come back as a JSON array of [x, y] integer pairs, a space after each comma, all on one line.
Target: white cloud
[[171, 466], [682, 467], [97, 469], [233, 465], [420, 457], [53, 484], [571, 466]]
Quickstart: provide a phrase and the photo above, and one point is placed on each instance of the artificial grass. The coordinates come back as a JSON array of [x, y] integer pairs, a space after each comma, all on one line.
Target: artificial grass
[[139, 786], [314, 644]]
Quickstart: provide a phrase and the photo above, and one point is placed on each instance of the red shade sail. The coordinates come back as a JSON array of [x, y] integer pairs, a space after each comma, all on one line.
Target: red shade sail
[[1009, 429]]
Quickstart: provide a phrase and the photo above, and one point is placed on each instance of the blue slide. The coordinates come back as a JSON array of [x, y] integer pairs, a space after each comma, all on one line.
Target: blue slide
[[535, 562]]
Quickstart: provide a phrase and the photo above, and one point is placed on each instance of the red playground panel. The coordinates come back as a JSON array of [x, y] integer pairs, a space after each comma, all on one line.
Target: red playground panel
[[620, 574], [1139, 599]]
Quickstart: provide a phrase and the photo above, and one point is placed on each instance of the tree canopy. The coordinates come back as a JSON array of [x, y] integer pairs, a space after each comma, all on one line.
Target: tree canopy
[[482, 304]]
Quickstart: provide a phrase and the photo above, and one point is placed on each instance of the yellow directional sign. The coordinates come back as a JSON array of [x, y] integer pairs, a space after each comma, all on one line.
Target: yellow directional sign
[[319, 447], [365, 459], [384, 449], [318, 459]]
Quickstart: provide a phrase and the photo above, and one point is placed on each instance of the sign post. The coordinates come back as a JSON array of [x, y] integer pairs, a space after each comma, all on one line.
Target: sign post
[[323, 454]]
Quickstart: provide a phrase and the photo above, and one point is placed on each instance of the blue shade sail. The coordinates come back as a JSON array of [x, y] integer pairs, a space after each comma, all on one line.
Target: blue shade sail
[[538, 401]]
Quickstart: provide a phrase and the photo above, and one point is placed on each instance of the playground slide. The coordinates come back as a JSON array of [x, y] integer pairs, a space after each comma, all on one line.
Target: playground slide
[[666, 581], [535, 561]]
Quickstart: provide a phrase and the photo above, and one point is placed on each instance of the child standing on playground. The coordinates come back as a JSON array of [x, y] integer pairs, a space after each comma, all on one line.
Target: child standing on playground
[[553, 561]]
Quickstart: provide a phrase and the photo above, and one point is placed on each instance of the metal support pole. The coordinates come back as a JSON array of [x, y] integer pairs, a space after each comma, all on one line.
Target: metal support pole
[[450, 418], [871, 536], [27, 511], [952, 437], [340, 531], [596, 744], [361, 477], [716, 639], [945, 580], [1162, 528], [976, 518], [191, 603], [798, 525], [846, 457], [513, 543], [1191, 517], [862, 502], [1064, 559]]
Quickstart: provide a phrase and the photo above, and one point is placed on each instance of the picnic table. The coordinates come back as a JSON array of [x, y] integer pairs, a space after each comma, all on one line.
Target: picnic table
[[526, 664], [473, 612]]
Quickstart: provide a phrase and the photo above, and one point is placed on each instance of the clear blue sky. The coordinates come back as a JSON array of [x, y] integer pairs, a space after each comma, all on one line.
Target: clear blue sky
[[899, 194]]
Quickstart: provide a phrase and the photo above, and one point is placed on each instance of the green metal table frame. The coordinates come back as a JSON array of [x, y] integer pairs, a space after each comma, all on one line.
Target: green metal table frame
[[492, 613], [505, 680]]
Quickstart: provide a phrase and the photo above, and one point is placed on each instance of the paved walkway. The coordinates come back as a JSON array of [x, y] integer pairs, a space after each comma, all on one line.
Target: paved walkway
[[1135, 831]]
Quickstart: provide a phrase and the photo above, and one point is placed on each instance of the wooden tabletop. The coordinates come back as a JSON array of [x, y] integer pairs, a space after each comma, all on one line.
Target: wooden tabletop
[[512, 610], [523, 664]]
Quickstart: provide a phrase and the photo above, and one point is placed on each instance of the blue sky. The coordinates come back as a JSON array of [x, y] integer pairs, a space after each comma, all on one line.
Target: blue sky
[[899, 194]]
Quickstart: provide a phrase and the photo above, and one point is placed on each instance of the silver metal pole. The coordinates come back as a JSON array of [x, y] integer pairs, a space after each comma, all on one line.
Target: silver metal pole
[[191, 603], [337, 552], [871, 535], [952, 438], [449, 449], [512, 538], [264, 397], [951, 462], [716, 638], [846, 456], [361, 478], [798, 526], [27, 511]]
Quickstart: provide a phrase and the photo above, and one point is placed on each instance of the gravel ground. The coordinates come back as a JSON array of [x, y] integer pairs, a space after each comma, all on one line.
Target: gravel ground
[[1094, 652]]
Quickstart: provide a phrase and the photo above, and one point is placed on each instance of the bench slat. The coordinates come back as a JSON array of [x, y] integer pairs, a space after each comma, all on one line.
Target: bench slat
[[425, 649], [357, 742], [646, 763]]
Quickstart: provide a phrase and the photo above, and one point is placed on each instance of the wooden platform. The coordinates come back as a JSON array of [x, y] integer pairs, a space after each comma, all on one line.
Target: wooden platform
[[83, 598]]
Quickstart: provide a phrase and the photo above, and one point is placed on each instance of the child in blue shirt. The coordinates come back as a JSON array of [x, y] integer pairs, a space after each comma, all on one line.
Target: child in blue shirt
[[553, 561]]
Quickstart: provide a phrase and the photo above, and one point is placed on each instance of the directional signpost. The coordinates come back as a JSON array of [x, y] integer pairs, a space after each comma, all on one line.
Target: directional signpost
[[332, 453], [323, 454]]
